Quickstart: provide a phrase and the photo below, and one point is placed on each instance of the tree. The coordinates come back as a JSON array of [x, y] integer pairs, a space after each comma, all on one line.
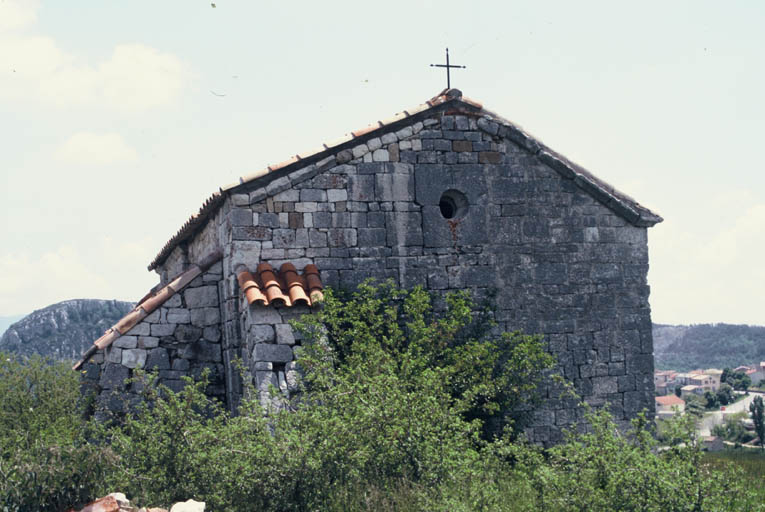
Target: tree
[[711, 398], [757, 408], [739, 380], [725, 394]]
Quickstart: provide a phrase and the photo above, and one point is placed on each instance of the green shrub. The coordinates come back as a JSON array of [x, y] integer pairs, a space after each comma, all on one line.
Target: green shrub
[[46, 462], [403, 406]]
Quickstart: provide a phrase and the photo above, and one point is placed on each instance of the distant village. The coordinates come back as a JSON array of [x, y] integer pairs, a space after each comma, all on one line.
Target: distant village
[[700, 391]]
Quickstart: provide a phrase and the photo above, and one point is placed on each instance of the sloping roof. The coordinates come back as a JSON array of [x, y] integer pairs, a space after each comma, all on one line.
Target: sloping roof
[[450, 100], [669, 400], [286, 287]]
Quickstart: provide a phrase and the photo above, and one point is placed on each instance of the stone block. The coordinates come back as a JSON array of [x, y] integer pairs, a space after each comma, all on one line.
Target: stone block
[[361, 188], [113, 355], [203, 317], [262, 334], [284, 334], [604, 385], [211, 333], [126, 342], [240, 217], [203, 351], [403, 228], [381, 155], [203, 296], [313, 194], [181, 365], [113, 376], [360, 150], [251, 233], [337, 194], [288, 196], [338, 237], [284, 238], [344, 156], [187, 333], [394, 187], [159, 359], [134, 358], [430, 183], [179, 315], [148, 341], [272, 353], [371, 237], [141, 329], [160, 330], [374, 144], [307, 207], [265, 314], [269, 220]]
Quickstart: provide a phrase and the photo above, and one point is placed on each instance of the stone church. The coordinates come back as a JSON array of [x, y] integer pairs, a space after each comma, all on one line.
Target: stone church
[[447, 195]]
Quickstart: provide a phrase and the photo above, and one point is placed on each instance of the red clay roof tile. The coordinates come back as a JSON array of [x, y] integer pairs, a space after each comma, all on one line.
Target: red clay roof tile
[[286, 287]]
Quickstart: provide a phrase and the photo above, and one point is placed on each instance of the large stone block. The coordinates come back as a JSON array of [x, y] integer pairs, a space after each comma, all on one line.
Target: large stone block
[[158, 359], [134, 358], [394, 187], [262, 334], [178, 316], [187, 333], [113, 376], [201, 297], [431, 181], [203, 317], [203, 351], [404, 228], [160, 330], [361, 188], [272, 353], [284, 334]]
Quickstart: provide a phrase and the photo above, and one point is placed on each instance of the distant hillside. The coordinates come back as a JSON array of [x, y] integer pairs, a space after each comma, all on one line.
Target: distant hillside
[[7, 321], [63, 330], [686, 347]]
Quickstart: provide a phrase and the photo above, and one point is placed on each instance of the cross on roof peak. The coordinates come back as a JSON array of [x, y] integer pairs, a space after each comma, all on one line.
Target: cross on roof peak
[[448, 67]]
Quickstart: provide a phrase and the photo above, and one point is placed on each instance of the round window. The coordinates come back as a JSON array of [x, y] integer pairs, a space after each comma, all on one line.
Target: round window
[[453, 204]]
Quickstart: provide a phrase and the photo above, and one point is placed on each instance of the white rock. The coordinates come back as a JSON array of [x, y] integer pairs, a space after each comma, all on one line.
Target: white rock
[[188, 506]]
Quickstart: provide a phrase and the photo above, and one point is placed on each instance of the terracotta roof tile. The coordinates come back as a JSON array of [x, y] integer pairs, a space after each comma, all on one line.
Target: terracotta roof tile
[[669, 400], [287, 286]]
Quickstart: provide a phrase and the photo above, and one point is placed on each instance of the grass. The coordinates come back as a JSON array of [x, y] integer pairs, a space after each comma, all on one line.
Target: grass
[[752, 462]]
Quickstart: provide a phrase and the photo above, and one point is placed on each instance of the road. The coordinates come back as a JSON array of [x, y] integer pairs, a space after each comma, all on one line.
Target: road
[[710, 419]]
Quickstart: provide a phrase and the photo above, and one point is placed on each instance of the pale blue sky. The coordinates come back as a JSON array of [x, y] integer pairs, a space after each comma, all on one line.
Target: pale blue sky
[[114, 132]]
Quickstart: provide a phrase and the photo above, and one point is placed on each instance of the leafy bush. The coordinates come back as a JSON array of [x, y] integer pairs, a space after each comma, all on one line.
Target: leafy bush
[[46, 462], [403, 406]]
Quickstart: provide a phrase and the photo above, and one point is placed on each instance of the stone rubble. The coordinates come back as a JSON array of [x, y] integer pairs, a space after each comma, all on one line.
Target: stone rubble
[[118, 502]]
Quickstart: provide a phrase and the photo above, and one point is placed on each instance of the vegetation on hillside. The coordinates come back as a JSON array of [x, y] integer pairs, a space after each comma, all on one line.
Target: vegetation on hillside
[[62, 331], [685, 348], [403, 407]]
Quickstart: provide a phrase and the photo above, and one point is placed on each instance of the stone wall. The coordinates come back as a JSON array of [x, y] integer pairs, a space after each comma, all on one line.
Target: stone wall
[[554, 259], [271, 349], [181, 338]]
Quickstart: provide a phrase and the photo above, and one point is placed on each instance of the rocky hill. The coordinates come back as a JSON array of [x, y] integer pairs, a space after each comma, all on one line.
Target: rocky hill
[[686, 347], [64, 330]]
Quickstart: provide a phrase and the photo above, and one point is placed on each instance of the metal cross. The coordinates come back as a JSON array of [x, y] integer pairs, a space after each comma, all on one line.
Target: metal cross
[[447, 66]]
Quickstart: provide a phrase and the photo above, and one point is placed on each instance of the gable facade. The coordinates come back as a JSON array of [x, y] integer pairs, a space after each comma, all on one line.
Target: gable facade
[[448, 196]]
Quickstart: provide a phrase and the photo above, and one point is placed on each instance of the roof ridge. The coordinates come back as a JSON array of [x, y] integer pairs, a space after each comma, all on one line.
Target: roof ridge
[[490, 122]]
